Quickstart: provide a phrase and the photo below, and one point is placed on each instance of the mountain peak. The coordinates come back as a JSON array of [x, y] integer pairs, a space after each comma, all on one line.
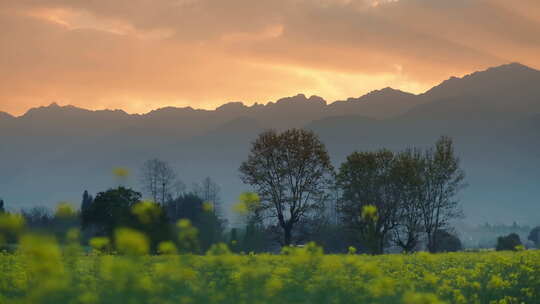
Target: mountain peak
[[297, 98], [232, 106], [388, 91], [382, 94], [51, 108], [505, 70], [4, 115], [513, 66], [494, 79], [54, 110], [300, 99]]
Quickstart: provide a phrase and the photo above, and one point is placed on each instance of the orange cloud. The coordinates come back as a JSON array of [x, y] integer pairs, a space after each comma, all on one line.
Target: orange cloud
[[139, 55]]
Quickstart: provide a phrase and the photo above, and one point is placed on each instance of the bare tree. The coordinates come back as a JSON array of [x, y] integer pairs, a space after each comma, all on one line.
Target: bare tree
[[208, 191], [443, 180], [158, 179], [179, 188], [291, 173]]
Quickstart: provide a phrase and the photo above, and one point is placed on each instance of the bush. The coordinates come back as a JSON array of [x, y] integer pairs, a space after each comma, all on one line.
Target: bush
[[534, 236], [447, 242], [509, 242]]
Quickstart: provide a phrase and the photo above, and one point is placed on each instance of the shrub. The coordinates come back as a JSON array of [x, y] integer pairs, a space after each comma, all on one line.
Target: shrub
[[447, 242], [509, 242], [534, 236]]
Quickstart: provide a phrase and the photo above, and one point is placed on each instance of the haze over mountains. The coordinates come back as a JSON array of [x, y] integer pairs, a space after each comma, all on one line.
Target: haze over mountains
[[54, 153]]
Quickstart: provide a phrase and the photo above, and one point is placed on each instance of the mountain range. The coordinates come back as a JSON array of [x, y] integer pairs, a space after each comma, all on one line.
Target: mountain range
[[54, 153]]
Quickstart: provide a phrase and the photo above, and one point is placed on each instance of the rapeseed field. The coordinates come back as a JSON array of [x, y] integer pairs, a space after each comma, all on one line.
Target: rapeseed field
[[42, 271]]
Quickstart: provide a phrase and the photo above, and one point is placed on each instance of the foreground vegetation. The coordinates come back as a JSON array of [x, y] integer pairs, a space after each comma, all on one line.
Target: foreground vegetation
[[43, 272], [119, 248]]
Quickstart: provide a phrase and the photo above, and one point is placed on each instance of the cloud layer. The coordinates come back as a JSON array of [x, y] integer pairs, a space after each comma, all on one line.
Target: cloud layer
[[142, 54]]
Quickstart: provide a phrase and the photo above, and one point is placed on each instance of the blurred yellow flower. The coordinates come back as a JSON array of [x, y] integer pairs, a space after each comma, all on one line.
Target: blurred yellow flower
[[146, 211], [167, 247], [11, 223], [131, 241], [121, 172], [247, 201], [99, 243], [208, 206], [369, 213], [64, 210]]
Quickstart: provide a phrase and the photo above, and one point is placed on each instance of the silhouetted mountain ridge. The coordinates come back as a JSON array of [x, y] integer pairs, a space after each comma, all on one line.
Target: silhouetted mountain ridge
[[54, 153], [507, 91], [4, 115]]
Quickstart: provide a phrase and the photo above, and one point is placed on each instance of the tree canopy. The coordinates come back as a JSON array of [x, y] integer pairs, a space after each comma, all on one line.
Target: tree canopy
[[291, 171]]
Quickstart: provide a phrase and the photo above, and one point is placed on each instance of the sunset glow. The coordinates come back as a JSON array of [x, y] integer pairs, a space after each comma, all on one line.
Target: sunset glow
[[141, 55]]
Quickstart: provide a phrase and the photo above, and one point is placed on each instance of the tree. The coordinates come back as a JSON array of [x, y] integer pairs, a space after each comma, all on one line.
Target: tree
[[151, 219], [191, 207], [2, 208], [37, 217], [365, 179], [233, 240], [158, 179], [443, 181], [414, 192], [534, 236], [188, 206], [509, 242], [254, 238], [86, 201], [208, 191], [122, 208], [111, 209], [408, 182], [291, 173]]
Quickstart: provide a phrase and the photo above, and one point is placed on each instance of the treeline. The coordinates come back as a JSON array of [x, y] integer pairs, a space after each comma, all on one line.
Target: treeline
[[101, 216], [485, 235], [374, 202]]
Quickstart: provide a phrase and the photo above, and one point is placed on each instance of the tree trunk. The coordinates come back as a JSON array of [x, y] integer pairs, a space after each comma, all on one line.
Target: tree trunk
[[380, 245], [431, 242], [287, 235]]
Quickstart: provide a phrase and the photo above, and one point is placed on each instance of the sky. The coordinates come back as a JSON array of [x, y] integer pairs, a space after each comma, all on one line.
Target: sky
[[139, 55]]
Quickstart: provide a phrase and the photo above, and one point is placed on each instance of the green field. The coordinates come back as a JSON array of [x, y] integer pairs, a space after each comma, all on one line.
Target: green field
[[43, 272]]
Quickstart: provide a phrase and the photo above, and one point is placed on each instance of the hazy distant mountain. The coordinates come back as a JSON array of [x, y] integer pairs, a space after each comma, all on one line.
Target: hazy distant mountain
[[508, 90], [54, 153], [4, 115], [383, 103]]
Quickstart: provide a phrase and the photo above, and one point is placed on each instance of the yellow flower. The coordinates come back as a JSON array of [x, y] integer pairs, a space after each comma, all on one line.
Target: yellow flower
[[248, 201], [167, 247], [146, 211], [496, 282], [99, 243], [273, 286], [121, 172], [208, 206], [11, 223], [73, 235], [369, 213], [130, 241], [421, 298], [64, 210]]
